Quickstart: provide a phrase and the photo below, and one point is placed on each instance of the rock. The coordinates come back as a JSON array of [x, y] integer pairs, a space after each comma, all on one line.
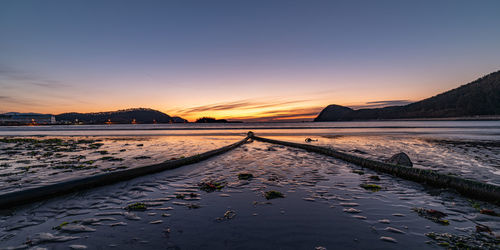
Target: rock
[[72, 228], [359, 217], [352, 210], [78, 247], [388, 239], [385, 221], [121, 223], [48, 237], [394, 230], [349, 204], [131, 216], [401, 159]]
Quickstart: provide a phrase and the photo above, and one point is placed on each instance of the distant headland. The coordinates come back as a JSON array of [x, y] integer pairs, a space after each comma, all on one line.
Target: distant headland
[[479, 99]]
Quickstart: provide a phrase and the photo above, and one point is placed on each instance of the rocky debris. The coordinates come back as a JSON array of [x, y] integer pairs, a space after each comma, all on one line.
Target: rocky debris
[[385, 221], [401, 159]]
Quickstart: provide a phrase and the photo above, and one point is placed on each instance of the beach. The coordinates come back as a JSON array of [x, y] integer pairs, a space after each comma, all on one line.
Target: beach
[[325, 202]]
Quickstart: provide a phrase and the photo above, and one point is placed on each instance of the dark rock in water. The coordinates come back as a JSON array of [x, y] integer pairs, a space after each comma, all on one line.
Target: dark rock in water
[[309, 140], [400, 159]]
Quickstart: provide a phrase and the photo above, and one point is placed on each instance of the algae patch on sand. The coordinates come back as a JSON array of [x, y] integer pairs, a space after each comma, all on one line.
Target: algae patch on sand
[[273, 195]]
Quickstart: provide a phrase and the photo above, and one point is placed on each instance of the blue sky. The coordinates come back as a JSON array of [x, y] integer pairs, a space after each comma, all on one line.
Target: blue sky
[[248, 59]]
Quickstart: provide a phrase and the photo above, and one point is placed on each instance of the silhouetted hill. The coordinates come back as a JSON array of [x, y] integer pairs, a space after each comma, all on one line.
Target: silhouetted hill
[[127, 116], [478, 98]]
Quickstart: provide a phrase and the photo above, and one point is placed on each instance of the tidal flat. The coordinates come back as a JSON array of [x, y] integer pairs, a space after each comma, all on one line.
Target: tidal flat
[[258, 195]]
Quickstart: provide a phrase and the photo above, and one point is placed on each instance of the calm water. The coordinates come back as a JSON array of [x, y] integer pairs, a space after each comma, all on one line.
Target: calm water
[[489, 130], [324, 204]]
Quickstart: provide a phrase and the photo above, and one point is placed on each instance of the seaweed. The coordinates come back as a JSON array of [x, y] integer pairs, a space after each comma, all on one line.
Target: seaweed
[[475, 204], [374, 177], [488, 212], [371, 187], [95, 145], [138, 206], [433, 215], [245, 176], [273, 195], [61, 225], [452, 241], [211, 186], [193, 206], [358, 172], [142, 157], [110, 158]]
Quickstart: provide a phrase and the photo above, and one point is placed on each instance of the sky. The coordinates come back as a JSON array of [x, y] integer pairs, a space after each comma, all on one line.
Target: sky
[[241, 60]]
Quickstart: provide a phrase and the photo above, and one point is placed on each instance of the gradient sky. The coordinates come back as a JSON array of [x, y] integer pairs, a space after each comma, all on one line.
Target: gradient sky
[[251, 60]]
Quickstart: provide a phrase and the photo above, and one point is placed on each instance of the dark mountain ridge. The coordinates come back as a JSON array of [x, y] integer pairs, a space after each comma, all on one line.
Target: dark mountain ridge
[[478, 98], [126, 116]]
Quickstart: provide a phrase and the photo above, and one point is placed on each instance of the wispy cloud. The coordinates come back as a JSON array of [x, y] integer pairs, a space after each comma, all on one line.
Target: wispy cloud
[[10, 75], [263, 109], [238, 105], [219, 107], [280, 115], [381, 104]]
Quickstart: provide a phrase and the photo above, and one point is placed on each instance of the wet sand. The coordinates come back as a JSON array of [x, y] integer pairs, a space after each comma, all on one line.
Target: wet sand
[[36, 161], [324, 205]]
